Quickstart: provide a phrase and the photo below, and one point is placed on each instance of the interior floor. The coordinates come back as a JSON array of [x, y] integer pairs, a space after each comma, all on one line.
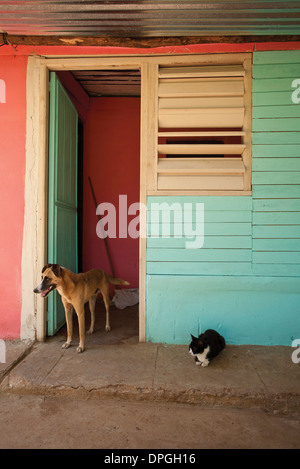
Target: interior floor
[[124, 325]]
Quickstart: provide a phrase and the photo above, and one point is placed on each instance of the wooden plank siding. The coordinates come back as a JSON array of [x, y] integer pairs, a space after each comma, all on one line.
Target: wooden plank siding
[[276, 164], [227, 237], [241, 233], [245, 279]]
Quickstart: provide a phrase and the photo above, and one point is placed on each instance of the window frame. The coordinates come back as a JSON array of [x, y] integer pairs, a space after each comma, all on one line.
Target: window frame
[[153, 132]]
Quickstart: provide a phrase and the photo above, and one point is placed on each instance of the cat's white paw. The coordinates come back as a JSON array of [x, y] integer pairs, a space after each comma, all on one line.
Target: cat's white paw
[[205, 363]]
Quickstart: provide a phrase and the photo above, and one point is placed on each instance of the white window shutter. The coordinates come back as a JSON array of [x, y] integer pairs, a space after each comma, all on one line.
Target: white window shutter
[[202, 129]]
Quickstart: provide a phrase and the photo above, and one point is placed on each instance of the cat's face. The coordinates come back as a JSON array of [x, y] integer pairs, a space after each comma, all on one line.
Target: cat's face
[[196, 346]]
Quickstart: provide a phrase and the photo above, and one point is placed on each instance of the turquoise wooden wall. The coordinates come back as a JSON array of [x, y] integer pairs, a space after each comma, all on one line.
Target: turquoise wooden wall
[[245, 280]]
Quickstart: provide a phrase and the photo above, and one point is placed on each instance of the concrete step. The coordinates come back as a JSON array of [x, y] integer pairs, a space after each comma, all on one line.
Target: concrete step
[[243, 376]]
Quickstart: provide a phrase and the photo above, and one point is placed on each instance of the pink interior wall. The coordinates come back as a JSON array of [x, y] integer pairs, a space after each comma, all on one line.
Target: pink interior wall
[[12, 174], [112, 160]]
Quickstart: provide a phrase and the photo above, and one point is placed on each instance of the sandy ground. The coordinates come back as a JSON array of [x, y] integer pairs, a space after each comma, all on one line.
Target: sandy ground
[[49, 422]]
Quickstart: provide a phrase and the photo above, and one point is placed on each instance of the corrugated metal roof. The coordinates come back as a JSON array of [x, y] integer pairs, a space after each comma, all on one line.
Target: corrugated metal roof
[[149, 18]]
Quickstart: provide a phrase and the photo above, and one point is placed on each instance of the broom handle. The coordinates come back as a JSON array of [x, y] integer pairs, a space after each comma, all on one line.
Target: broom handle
[[105, 240]]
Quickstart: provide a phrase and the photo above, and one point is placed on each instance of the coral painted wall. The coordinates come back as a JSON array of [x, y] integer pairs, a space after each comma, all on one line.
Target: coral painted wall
[[12, 174], [112, 160]]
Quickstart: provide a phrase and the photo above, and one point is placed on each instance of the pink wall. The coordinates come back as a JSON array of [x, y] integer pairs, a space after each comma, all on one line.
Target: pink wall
[[12, 173], [112, 159]]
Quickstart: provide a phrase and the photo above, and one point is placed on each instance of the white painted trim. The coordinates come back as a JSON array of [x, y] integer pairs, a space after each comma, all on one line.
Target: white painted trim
[[33, 321]]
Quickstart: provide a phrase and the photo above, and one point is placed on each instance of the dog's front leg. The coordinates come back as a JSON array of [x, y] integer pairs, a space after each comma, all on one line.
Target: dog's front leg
[[81, 322], [69, 319]]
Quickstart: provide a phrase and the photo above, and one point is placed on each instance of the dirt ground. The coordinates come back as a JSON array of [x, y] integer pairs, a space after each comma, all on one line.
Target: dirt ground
[[48, 422]]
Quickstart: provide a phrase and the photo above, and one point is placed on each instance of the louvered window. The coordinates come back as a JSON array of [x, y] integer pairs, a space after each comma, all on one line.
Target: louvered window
[[204, 128]]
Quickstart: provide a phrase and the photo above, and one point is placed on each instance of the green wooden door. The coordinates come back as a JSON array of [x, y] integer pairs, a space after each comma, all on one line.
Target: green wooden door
[[62, 198]]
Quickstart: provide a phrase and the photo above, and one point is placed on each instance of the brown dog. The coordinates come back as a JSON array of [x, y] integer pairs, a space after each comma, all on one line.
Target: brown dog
[[75, 291]]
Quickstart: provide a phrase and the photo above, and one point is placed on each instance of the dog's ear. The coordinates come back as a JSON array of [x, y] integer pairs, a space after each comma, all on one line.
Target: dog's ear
[[46, 267], [56, 269]]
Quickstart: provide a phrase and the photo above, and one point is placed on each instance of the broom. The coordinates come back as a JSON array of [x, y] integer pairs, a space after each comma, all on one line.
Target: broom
[[122, 298], [99, 217]]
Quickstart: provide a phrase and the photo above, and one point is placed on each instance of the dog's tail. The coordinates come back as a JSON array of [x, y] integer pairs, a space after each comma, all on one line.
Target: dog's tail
[[116, 281]]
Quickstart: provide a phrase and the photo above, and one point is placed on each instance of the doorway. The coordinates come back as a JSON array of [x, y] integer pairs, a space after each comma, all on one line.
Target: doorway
[[108, 153]]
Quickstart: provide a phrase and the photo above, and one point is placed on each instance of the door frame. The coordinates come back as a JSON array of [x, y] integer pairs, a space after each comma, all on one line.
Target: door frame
[[34, 252]]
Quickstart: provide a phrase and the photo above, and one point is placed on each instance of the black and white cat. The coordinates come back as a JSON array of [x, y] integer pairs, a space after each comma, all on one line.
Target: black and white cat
[[207, 346]]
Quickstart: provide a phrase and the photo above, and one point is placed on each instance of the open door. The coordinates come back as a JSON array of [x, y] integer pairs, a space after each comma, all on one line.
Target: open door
[[62, 195]]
